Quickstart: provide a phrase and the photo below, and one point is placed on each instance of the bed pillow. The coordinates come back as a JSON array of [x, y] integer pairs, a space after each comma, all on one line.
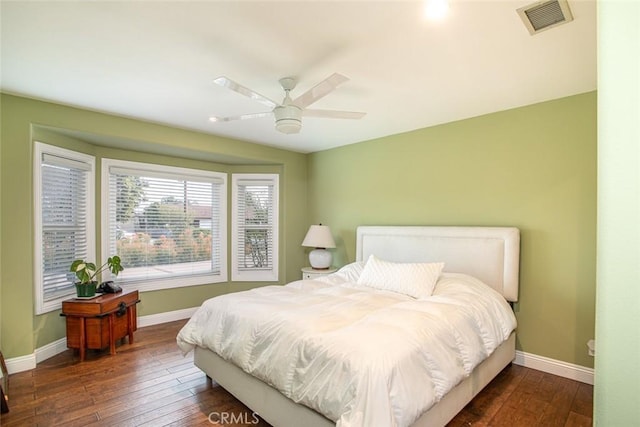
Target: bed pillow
[[414, 279], [351, 272]]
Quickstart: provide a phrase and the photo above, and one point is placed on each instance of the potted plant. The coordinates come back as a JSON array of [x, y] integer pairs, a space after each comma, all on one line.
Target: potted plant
[[87, 272]]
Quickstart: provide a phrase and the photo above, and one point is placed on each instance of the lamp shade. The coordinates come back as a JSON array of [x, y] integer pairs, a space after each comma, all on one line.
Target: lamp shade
[[319, 236]]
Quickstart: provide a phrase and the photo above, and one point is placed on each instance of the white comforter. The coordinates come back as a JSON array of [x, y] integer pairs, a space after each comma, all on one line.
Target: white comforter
[[359, 356]]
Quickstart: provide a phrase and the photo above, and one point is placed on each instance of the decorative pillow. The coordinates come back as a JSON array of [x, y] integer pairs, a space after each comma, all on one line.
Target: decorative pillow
[[414, 279]]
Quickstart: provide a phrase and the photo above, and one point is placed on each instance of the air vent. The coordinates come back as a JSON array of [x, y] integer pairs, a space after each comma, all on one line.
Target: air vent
[[544, 15]]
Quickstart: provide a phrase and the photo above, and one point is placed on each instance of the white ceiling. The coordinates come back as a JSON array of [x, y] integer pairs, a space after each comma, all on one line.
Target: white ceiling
[[156, 61]]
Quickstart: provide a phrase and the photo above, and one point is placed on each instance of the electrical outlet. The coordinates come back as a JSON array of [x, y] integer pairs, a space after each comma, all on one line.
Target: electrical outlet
[[591, 345]]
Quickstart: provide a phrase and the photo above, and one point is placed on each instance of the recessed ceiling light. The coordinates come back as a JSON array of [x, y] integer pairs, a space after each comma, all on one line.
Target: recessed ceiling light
[[436, 9]]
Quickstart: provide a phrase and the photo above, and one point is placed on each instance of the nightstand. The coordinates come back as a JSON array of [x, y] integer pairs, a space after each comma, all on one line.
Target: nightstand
[[310, 273]]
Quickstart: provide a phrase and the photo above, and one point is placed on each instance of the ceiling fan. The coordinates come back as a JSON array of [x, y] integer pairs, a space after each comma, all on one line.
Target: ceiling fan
[[288, 114]]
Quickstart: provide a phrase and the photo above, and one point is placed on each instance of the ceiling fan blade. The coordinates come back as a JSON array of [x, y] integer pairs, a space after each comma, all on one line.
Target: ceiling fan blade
[[334, 114], [237, 87], [320, 90], [240, 117]]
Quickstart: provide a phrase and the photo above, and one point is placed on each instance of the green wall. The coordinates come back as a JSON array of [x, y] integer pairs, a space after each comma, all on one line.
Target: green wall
[[617, 382], [533, 168], [102, 135]]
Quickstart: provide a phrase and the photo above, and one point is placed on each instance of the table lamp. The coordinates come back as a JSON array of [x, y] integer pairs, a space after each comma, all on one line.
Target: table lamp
[[319, 237]]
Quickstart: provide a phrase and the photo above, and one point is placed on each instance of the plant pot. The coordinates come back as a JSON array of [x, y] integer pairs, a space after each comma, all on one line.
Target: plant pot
[[85, 290]]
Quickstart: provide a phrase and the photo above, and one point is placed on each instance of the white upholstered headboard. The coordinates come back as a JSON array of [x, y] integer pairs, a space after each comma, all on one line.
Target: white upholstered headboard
[[492, 254]]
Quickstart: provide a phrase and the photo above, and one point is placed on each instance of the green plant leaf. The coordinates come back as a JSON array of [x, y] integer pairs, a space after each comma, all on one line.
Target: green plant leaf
[[76, 265]]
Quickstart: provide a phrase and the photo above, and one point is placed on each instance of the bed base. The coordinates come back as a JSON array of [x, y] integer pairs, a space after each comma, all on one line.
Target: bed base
[[279, 411]]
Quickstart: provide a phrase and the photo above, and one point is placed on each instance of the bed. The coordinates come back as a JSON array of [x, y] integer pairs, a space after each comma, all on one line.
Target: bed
[[487, 254]]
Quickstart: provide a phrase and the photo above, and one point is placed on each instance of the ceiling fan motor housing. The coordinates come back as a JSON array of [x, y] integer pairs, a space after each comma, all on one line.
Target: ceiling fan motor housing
[[288, 118]]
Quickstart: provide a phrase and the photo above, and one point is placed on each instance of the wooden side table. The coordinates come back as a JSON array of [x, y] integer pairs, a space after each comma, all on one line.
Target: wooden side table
[[97, 322]]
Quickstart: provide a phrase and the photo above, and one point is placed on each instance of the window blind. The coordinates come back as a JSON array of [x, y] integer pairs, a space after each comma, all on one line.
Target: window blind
[[64, 217], [165, 224]]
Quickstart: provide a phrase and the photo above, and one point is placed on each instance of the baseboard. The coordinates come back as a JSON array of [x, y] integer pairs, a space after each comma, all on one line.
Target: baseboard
[[25, 363], [21, 363], [50, 350], [555, 367], [169, 316]]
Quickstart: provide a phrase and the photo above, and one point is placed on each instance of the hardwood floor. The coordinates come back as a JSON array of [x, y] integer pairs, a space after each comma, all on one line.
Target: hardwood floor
[[150, 383]]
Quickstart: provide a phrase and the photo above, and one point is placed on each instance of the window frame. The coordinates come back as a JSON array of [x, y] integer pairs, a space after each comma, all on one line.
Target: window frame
[[271, 275], [40, 149], [176, 281]]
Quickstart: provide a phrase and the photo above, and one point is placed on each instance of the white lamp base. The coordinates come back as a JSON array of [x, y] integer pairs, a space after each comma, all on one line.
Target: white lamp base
[[320, 258]]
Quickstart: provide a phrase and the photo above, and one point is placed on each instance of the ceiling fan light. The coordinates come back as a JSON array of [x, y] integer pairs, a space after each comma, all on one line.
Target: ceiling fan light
[[288, 119], [288, 126]]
